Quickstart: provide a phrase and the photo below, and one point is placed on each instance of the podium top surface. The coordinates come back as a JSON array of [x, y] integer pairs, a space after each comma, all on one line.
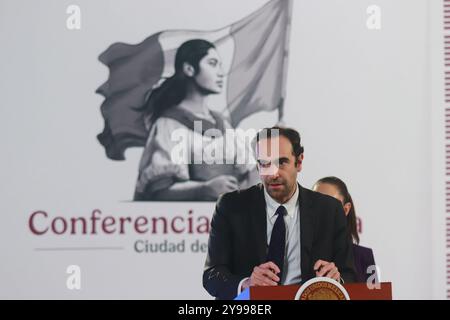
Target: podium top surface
[[356, 291]]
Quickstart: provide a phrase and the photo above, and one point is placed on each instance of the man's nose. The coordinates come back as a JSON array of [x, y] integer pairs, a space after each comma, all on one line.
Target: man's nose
[[273, 171], [275, 175]]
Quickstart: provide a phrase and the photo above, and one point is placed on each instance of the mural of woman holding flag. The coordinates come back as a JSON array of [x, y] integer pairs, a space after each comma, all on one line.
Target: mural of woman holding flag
[[175, 106], [161, 86]]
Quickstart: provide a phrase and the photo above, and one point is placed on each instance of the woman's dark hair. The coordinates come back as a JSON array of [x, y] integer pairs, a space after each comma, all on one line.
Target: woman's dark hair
[[173, 90], [343, 191]]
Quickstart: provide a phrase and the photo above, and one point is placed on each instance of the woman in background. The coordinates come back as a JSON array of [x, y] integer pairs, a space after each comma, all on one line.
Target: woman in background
[[363, 256]]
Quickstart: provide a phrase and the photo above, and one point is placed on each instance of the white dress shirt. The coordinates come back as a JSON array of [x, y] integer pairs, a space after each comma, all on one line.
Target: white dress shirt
[[291, 268]]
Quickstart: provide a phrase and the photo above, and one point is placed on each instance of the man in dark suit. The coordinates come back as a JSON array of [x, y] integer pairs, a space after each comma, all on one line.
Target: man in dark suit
[[276, 232]]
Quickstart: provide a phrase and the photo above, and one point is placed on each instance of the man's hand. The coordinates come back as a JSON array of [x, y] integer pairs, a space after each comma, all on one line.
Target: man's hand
[[327, 269], [263, 275]]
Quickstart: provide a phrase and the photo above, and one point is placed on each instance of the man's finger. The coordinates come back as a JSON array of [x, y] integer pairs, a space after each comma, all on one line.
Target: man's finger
[[318, 264], [332, 274], [337, 277], [269, 282], [266, 272], [271, 265], [325, 269], [264, 281], [258, 280], [269, 274]]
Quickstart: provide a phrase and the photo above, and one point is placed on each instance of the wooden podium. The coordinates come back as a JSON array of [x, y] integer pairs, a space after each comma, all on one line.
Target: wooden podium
[[356, 291]]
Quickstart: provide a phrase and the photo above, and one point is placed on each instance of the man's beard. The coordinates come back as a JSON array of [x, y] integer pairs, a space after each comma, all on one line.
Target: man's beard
[[282, 193], [281, 190]]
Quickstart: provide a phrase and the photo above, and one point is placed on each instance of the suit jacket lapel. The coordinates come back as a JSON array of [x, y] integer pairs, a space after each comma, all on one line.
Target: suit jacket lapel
[[259, 227], [259, 222], [306, 233]]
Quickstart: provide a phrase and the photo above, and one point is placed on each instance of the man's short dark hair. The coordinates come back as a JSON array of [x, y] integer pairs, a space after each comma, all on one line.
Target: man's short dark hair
[[291, 134]]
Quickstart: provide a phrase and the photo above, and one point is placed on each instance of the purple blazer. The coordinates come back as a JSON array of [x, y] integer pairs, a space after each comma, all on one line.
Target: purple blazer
[[363, 259]]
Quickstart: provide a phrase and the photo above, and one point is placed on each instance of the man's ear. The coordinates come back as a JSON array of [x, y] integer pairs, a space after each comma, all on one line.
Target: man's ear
[[299, 162], [188, 70]]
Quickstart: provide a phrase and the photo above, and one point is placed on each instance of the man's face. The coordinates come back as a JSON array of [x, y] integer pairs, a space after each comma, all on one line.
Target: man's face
[[278, 167]]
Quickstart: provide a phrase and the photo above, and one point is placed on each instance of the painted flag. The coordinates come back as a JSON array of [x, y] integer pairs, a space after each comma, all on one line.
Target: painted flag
[[254, 52]]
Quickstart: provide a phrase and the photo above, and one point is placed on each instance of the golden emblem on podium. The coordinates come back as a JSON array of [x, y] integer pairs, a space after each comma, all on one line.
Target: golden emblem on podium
[[322, 288]]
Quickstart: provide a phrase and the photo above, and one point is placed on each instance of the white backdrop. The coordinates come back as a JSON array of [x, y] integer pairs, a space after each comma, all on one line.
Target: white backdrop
[[359, 97]]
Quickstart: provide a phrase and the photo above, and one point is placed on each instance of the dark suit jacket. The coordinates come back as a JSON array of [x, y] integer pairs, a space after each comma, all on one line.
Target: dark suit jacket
[[237, 240], [363, 259]]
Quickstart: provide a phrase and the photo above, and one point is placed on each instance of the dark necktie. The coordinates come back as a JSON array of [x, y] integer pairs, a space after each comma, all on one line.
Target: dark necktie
[[278, 240]]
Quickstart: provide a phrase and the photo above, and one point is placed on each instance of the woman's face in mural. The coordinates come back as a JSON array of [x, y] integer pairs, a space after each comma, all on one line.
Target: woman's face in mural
[[210, 76]]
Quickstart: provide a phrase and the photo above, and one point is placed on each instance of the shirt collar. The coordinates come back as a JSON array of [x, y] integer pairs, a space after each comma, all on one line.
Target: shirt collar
[[273, 205]]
